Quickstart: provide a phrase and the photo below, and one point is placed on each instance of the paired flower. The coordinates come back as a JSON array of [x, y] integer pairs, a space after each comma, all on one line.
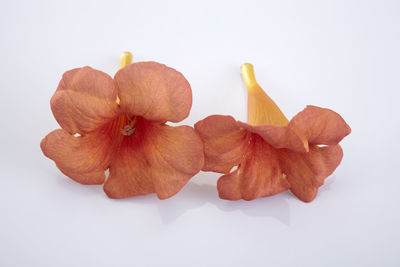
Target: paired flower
[[271, 153], [119, 124]]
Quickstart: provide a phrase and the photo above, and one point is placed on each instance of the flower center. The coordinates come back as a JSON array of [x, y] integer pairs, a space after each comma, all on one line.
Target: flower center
[[123, 125], [129, 129]]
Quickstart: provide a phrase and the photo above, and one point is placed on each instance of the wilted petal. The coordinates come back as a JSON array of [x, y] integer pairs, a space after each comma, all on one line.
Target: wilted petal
[[306, 172], [224, 142], [321, 125], [154, 91], [84, 100], [279, 136], [82, 158], [158, 158], [258, 175]]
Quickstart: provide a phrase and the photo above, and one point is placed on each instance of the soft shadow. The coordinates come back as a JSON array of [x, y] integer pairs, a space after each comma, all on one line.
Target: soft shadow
[[275, 207], [193, 196], [327, 184], [77, 188]]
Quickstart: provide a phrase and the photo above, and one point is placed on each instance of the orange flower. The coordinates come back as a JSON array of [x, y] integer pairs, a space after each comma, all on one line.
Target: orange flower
[[121, 127], [272, 154]]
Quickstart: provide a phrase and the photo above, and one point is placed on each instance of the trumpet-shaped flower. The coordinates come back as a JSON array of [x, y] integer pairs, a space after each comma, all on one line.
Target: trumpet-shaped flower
[[119, 124], [271, 153]]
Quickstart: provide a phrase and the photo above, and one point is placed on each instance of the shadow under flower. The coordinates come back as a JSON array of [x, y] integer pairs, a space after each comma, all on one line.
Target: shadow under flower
[[196, 194], [327, 184], [76, 188]]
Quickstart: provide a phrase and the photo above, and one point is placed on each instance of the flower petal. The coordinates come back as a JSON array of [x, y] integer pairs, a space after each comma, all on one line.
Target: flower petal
[[224, 142], [154, 91], [306, 172], [90, 178], [321, 125], [158, 158], [85, 98], [279, 136], [177, 155], [258, 175], [129, 171], [82, 158]]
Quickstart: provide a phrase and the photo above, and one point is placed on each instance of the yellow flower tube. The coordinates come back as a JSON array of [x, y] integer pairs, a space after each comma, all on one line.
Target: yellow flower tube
[[261, 109]]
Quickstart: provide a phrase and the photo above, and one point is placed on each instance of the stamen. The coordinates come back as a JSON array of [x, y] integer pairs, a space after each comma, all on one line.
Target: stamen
[[129, 129]]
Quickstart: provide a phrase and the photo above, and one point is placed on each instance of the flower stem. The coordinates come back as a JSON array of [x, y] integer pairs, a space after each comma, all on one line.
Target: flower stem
[[248, 76], [125, 59], [261, 109]]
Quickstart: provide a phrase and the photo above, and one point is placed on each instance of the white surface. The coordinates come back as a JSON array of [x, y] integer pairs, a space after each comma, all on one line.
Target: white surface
[[338, 54]]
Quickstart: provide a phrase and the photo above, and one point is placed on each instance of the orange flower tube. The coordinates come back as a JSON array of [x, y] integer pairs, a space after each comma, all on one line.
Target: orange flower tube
[[119, 124], [272, 154]]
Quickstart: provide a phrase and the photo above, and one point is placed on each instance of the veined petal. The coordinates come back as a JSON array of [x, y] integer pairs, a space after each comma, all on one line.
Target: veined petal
[[279, 136], [89, 178], [84, 100], [129, 171], [158, 158], [224, 142], [154, 91], [321, 125], [306, 172], [176, 155], [82, 158], [258, 175]]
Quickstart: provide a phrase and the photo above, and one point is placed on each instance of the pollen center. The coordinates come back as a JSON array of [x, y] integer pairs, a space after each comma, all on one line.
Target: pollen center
[[128, 130], [123, 125]]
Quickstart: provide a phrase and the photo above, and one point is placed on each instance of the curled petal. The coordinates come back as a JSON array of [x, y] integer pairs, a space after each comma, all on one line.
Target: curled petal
[[306, 172], [84, 100], [321, 125], [154, 91], [158, 158], [279, 136], [224, 142], [258, 175], [83, 158]]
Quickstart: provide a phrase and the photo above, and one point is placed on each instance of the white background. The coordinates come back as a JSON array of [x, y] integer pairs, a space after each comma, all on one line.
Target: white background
[[342, 55]]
